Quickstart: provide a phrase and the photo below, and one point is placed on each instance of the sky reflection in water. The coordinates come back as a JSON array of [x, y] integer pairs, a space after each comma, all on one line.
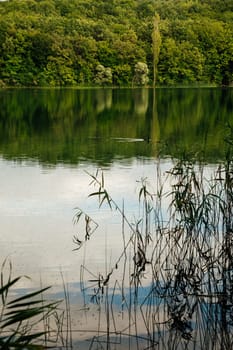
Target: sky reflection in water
[[46, 153]]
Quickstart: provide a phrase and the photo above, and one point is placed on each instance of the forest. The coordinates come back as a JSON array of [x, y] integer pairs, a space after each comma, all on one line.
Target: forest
[[116, 43]]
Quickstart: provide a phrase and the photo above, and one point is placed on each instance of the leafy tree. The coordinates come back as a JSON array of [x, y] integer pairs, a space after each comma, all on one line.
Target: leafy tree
[[122, 75], [60, 42], [103, 75], [41, 48], [141, 73], [180, 63], [156, 44]]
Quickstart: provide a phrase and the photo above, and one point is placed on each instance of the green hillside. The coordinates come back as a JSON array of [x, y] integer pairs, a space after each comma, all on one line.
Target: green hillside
[[88, 42]]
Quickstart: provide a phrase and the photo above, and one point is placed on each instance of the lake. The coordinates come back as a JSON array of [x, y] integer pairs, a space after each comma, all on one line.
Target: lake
[[53, 140]]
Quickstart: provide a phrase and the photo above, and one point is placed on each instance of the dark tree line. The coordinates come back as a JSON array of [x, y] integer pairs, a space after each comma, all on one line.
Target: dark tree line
[[88, 42]]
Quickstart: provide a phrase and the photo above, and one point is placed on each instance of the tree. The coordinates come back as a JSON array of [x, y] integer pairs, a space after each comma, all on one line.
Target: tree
[[122, 75], [103, 75], [180, 63], [141, 73], [156, 44], [60, 42]]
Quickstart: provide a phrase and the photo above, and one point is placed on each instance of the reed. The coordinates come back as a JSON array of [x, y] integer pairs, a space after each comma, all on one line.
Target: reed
[[181, 253], [26, 322]]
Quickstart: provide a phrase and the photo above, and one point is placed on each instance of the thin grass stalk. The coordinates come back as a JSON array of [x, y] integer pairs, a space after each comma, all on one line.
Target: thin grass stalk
[[68, 330]]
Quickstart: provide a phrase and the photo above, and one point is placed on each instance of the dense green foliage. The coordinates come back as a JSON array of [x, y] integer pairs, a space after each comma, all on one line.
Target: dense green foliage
[[62, 42]]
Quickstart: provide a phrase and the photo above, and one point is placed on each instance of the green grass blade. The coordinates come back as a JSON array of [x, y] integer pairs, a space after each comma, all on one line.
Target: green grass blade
[[28, 296]]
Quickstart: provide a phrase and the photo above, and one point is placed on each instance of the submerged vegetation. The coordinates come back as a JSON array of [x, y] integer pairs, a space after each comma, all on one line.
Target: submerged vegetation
[[171, 287], [76, 42]]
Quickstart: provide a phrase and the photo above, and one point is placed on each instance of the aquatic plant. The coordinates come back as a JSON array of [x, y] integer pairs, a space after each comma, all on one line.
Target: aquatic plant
[[174, 277], [24, 320]]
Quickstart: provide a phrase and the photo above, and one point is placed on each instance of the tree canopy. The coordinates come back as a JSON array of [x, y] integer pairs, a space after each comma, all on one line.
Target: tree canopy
[[64, 42]]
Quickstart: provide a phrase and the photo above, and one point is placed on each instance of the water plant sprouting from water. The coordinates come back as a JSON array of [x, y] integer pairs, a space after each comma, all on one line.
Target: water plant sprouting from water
[[180, 250], [27, 321]]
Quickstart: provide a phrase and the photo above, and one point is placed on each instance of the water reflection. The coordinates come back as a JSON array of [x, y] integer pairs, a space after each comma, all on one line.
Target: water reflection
[[69, 126], [48, 139]]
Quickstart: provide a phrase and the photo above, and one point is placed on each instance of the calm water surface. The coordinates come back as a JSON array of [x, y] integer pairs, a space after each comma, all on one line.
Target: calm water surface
[[50, 139]]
